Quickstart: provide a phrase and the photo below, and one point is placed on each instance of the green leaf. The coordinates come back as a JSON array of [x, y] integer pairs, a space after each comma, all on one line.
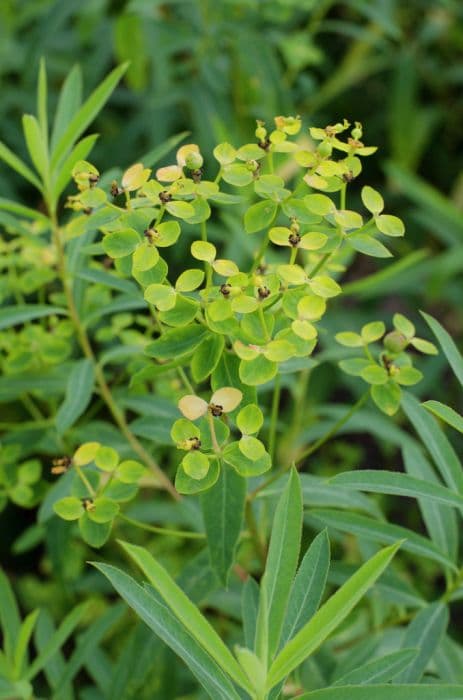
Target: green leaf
[[390, 225], [324, 286], [181, 313], [366, 244], [448, 346], [177, 341], [185, 484], [223, 509], [130, 472], [57, 640], [94, 534], [349, 339], [120, 243], [9, 616], [441, 521], [21, 313], [195, 465], [69, 101], [383, 533], [186, 611], [387, 397], [403, 325], [308, 587], [179, 209], [69, 508], [260, 215], [329, 616], [81, 119], [189, 280], [106, 458], [206, 357], [104, 510], [22, 642], [158, 152], [282, 558], [63, 174], [379, 670], [373, 374], [249, 607], [250, 419], [397, 484], [244, 466], [145, 256], [319, 204], [424, 633], [35, 144], [19, 166], [408, 376], [436, 442], [174, 632], [79, 389], [372, 200], [445, 413], [257, 371], [387, 692], [373, 331]]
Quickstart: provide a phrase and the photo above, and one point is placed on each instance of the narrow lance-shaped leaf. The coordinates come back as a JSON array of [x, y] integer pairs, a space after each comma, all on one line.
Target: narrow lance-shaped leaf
[[383, 533], [441, 522], [282, 558], [14, 315], [9, 616], [447, 344], [308, 587], [160, 618], [70, 99], [379, 670], [397, 484], [63, 174], [35, 144], [78, 394], [86, 114], [424, 633], [223, 509], [187, 612], [330, 616], [12, 160], [57, 640], [445, 413], [387, 692], [436, 442]]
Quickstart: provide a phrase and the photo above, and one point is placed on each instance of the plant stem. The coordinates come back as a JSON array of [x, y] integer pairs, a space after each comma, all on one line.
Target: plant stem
[[332, 431], [342, 196], [85, 481], [105, 391], [260, 253], [312, 448], [263, 324], [274, 416], [162, 530], [215, 444], [319, 265]]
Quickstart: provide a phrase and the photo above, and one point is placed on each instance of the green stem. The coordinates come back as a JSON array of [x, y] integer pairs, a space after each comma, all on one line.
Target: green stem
[[312, 448], [85, 481], [274, 416], [260, 253], [162, 530], [185, 380], [215, 444], [31, 407], [87, 350], [260, 311], [332, 431], [342, 196], [270, 162], [321, 263], [293, 256]]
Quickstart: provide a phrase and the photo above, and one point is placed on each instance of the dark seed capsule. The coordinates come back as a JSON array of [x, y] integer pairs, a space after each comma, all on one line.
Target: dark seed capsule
[[225, 289], [216, 410]]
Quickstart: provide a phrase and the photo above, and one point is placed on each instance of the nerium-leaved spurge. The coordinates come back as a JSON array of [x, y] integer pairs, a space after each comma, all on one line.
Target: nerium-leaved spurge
[[207, 283]]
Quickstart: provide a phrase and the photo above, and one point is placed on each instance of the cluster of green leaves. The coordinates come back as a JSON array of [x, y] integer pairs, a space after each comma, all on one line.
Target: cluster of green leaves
[[393, 368], [159, 315]]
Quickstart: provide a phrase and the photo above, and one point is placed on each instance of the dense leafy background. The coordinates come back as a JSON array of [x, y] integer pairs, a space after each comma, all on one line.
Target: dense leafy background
[[212, 68]]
